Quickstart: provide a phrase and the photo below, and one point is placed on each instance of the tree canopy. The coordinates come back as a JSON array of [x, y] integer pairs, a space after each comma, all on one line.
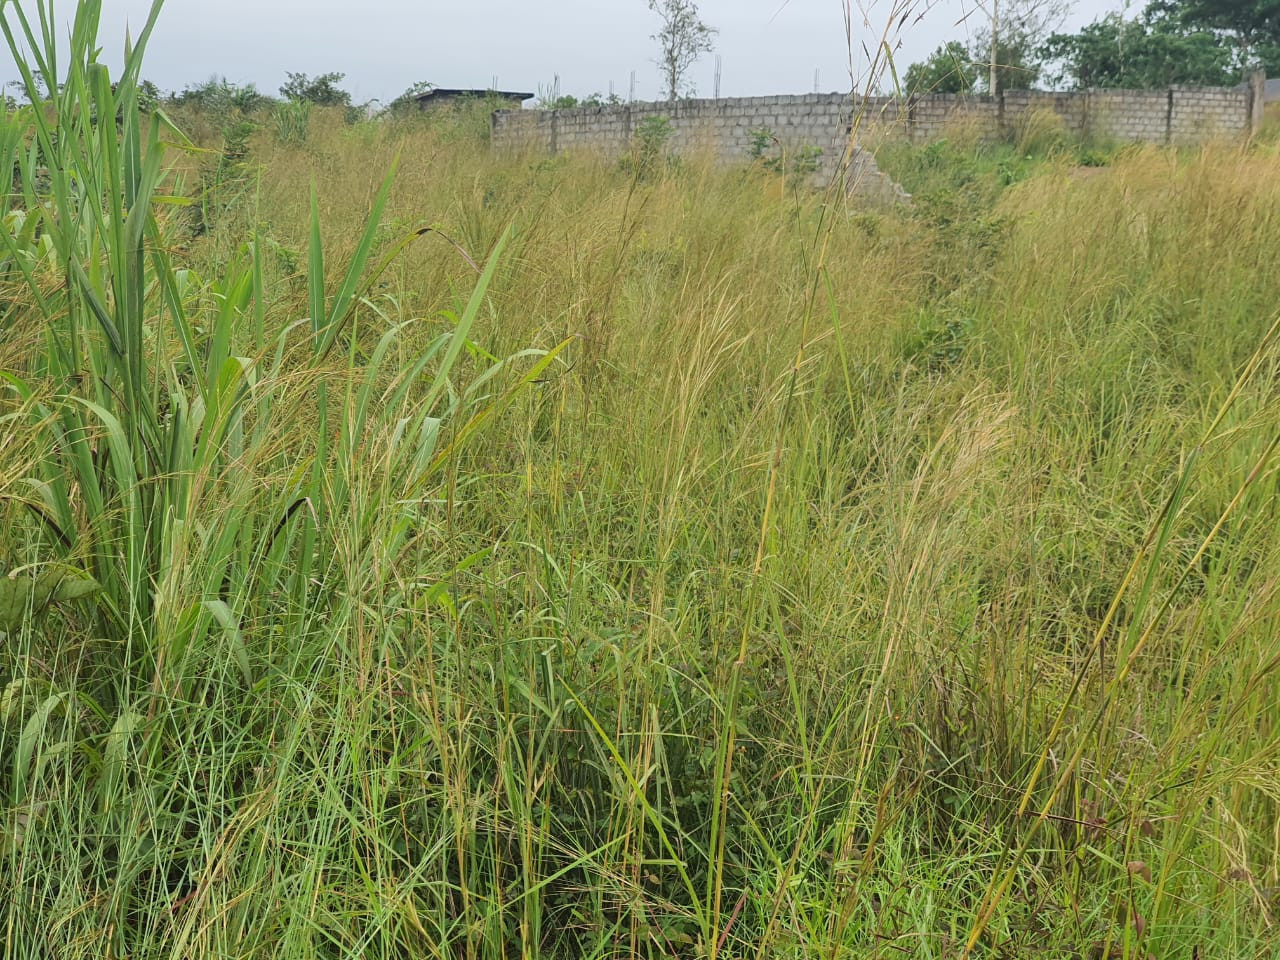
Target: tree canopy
[[1023, 27], [1152, 50], [682, 40], [1201, 42], [322, 90], [949, 69], [1254, 25]]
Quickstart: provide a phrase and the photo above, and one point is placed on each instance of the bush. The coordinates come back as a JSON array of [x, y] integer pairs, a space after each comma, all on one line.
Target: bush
[[762, 140], [323, 90], [648, 146], [219, 97], [799, 163]]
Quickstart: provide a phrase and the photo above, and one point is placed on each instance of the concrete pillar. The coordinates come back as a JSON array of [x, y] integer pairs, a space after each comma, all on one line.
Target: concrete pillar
[[1257, 81]]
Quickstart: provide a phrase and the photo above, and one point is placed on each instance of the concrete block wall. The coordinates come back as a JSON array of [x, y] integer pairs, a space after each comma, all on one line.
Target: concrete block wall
[[1200, 113], [726, 128], [521, 131], [1140, 116], [1020, 110], [929, 118]]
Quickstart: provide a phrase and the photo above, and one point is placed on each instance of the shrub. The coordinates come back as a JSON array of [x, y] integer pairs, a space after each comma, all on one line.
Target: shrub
[[762, 140], [798, 164], [648, 146], [322, 90], [219, 97]]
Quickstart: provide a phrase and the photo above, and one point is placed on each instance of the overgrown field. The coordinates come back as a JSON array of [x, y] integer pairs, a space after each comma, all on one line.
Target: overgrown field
[[547, 557]]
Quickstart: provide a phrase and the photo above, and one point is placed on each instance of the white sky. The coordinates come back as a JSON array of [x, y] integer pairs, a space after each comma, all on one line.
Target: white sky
[[383, 46]]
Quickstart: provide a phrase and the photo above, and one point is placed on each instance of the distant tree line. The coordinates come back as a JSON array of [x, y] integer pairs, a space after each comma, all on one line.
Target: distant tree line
[[1203, 42], [219, 95]]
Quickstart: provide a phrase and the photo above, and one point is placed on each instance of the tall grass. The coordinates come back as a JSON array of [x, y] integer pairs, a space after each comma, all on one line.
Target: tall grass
[[925, 609]]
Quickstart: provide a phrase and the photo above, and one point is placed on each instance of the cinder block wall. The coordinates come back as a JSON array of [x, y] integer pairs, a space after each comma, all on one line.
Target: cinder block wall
[[1140, 116], [725, 127], [826, 121], [1199, 113]]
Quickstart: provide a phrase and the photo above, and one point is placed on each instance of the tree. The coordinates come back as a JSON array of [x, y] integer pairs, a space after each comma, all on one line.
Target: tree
[[414, 91], [1253, 24], [557, 101], [322, 90], [1150, 51], [949, 69], [149, 96], [1012, 63], [1010, 43], [567, 101], [683, 39], [408, 101]]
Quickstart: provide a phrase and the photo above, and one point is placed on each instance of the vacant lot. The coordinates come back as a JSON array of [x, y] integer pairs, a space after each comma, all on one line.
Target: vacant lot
[[553, 558]]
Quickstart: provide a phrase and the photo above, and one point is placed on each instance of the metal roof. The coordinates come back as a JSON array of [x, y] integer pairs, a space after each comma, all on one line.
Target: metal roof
[[481, 93]]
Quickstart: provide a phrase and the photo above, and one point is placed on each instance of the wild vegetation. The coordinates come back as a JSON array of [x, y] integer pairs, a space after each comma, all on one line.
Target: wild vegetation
[[411, 552], [1167, 42]]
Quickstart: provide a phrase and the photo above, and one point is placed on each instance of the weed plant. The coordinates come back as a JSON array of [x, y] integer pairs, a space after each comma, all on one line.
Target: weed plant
[[523, 557]]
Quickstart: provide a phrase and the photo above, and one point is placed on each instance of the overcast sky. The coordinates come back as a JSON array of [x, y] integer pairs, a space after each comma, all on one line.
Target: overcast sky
[[383, 46]]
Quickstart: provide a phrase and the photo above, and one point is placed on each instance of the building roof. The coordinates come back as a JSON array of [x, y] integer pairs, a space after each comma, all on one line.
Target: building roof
[[1272, 90], [446, 92]]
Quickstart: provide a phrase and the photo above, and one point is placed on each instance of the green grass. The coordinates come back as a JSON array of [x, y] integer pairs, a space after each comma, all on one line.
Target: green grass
[[523, 558]]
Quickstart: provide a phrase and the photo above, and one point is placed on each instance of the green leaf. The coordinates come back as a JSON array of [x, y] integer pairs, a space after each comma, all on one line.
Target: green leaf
[[344, 300], [20, 593], [315, 272], [115, 756], [226, 619], [32, 733], [14, 597], [74, 587]]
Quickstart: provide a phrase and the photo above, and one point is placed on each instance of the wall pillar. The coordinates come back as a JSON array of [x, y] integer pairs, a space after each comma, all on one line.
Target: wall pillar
[[1257, 81]]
